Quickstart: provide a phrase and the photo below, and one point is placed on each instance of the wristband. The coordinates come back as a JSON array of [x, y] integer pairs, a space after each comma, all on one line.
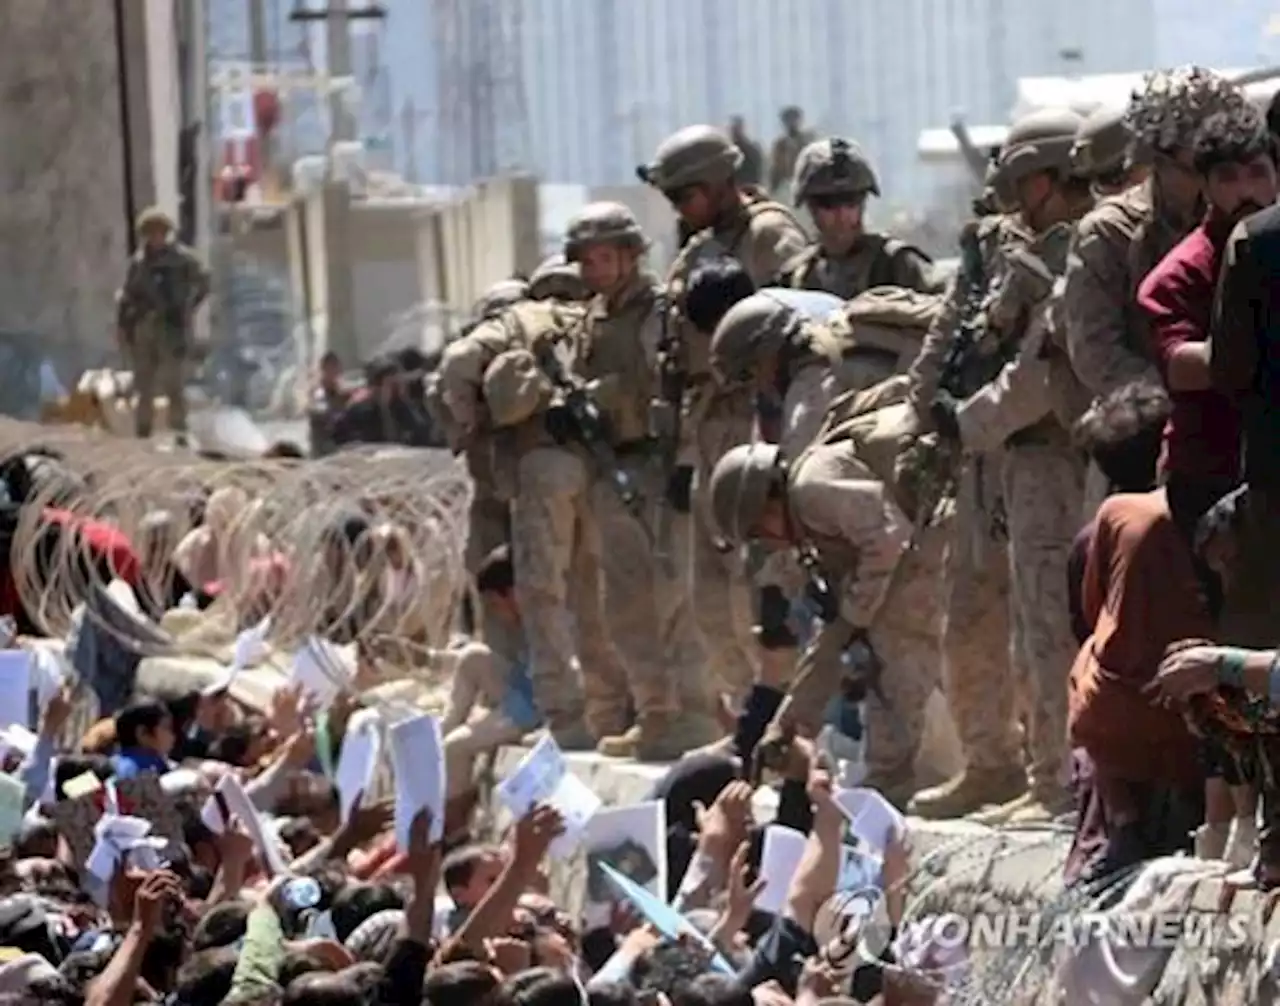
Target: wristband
[[1231, 668]]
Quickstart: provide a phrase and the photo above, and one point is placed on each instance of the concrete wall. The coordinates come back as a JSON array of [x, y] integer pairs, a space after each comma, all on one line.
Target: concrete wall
[[63, 234]]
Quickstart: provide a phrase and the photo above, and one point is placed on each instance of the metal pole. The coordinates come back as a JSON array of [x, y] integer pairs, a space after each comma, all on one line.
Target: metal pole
[[338, 40], [126, 127], [260, 64]]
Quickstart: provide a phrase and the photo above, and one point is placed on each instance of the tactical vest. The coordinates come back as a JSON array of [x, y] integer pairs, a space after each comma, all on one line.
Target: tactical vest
[[878, 271], [877, 335]]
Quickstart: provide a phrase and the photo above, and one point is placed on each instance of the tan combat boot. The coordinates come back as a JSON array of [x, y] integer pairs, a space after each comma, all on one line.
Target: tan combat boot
[[995, 816], [572, 737], [653, 739], [972, 790]]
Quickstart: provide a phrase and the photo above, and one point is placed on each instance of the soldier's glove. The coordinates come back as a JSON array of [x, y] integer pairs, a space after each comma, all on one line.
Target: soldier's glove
[[943, 414], [822, 599], [559, 423], [680, 489], [774, 631]]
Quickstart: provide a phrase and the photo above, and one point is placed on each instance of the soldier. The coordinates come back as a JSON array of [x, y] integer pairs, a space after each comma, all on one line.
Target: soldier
[[786, 148], [751, 171], [647, 610], [1043, 478], [833, 180], [802, 350], [1118, 243], [979, 663], [1123, 238], [165, 283], [695, 169], [869, 588], [1101, 153], [556, 278]]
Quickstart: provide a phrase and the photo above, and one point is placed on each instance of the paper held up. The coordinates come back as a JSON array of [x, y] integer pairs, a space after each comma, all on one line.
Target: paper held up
[[543, 776], [321, 669], [361, 746], [417, 759], [873, 820], [119, 840], [780, 859], [231, 800], [15, 687]]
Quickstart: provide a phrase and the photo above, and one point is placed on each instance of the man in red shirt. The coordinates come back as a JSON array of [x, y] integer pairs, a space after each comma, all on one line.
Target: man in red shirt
[[1235, 157]]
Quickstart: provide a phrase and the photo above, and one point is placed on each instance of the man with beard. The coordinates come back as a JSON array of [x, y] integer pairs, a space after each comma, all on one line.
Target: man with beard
[[1200, 460]]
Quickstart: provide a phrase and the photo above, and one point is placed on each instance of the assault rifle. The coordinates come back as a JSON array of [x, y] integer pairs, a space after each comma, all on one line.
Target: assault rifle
[[959, 376], [575, 417], [665, 414]]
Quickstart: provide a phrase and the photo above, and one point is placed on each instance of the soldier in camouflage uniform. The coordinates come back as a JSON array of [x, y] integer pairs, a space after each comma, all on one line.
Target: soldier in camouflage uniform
[[870, 590], [980, 667], [833, 180], [695, 169], [1043, 478], [1123, 238], [647, 607], [165, 283], [803, 350], [1101, 153]]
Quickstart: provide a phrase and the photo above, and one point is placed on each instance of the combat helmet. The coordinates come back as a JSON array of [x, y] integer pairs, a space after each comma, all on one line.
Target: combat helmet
[[499, 297], [1102, 143], [1041, 141], [153, 216], [602, 222], [833, 167], [557, 278], [1165, 114], [753, 329], [740, 484], [696, 155]]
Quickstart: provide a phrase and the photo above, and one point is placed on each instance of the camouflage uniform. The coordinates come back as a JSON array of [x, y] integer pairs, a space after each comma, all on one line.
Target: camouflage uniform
[[979, 666], [837, 169], [846, 517], [490, 383], [786, 150], [162, 288], [762, 235], [1043, 472], [1126, 235], [809, 348], [647, 609]]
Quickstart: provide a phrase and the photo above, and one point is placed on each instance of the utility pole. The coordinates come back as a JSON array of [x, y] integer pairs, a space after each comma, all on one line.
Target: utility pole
[[338, 44], [259, 64]]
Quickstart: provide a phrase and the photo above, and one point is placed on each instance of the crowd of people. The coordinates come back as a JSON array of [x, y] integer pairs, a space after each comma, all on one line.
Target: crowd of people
[[782, 496]]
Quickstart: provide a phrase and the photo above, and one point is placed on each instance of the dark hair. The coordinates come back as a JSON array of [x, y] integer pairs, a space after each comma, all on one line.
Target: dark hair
[[34, 835], [297, 963], [711, 990], [233, 745], [497, 574], [356, 902], [612, 994], [205, 979], [324, 990], [330, 357], [1273, 115], [73, 766], [1237, 136], [221, 925], [462, 983], [666, 968], [1122, 434], [285, 449], [133, 719], [461, 863], [715, 285], [541, 987]]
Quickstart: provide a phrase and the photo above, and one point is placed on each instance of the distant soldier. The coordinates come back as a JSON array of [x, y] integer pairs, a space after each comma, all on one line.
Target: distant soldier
[[833, 180], [786, 150], [751, 171], [165, 283]]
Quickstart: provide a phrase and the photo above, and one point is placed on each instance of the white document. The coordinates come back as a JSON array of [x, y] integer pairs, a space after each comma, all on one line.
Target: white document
[[15, 687], [16, 737], [783, 850], [316, 667], [417, 758], [250, 645], [46, 675], [633, 840], [872, 818], [239, 805], [543, 776], [361, 746], [116, 838]]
